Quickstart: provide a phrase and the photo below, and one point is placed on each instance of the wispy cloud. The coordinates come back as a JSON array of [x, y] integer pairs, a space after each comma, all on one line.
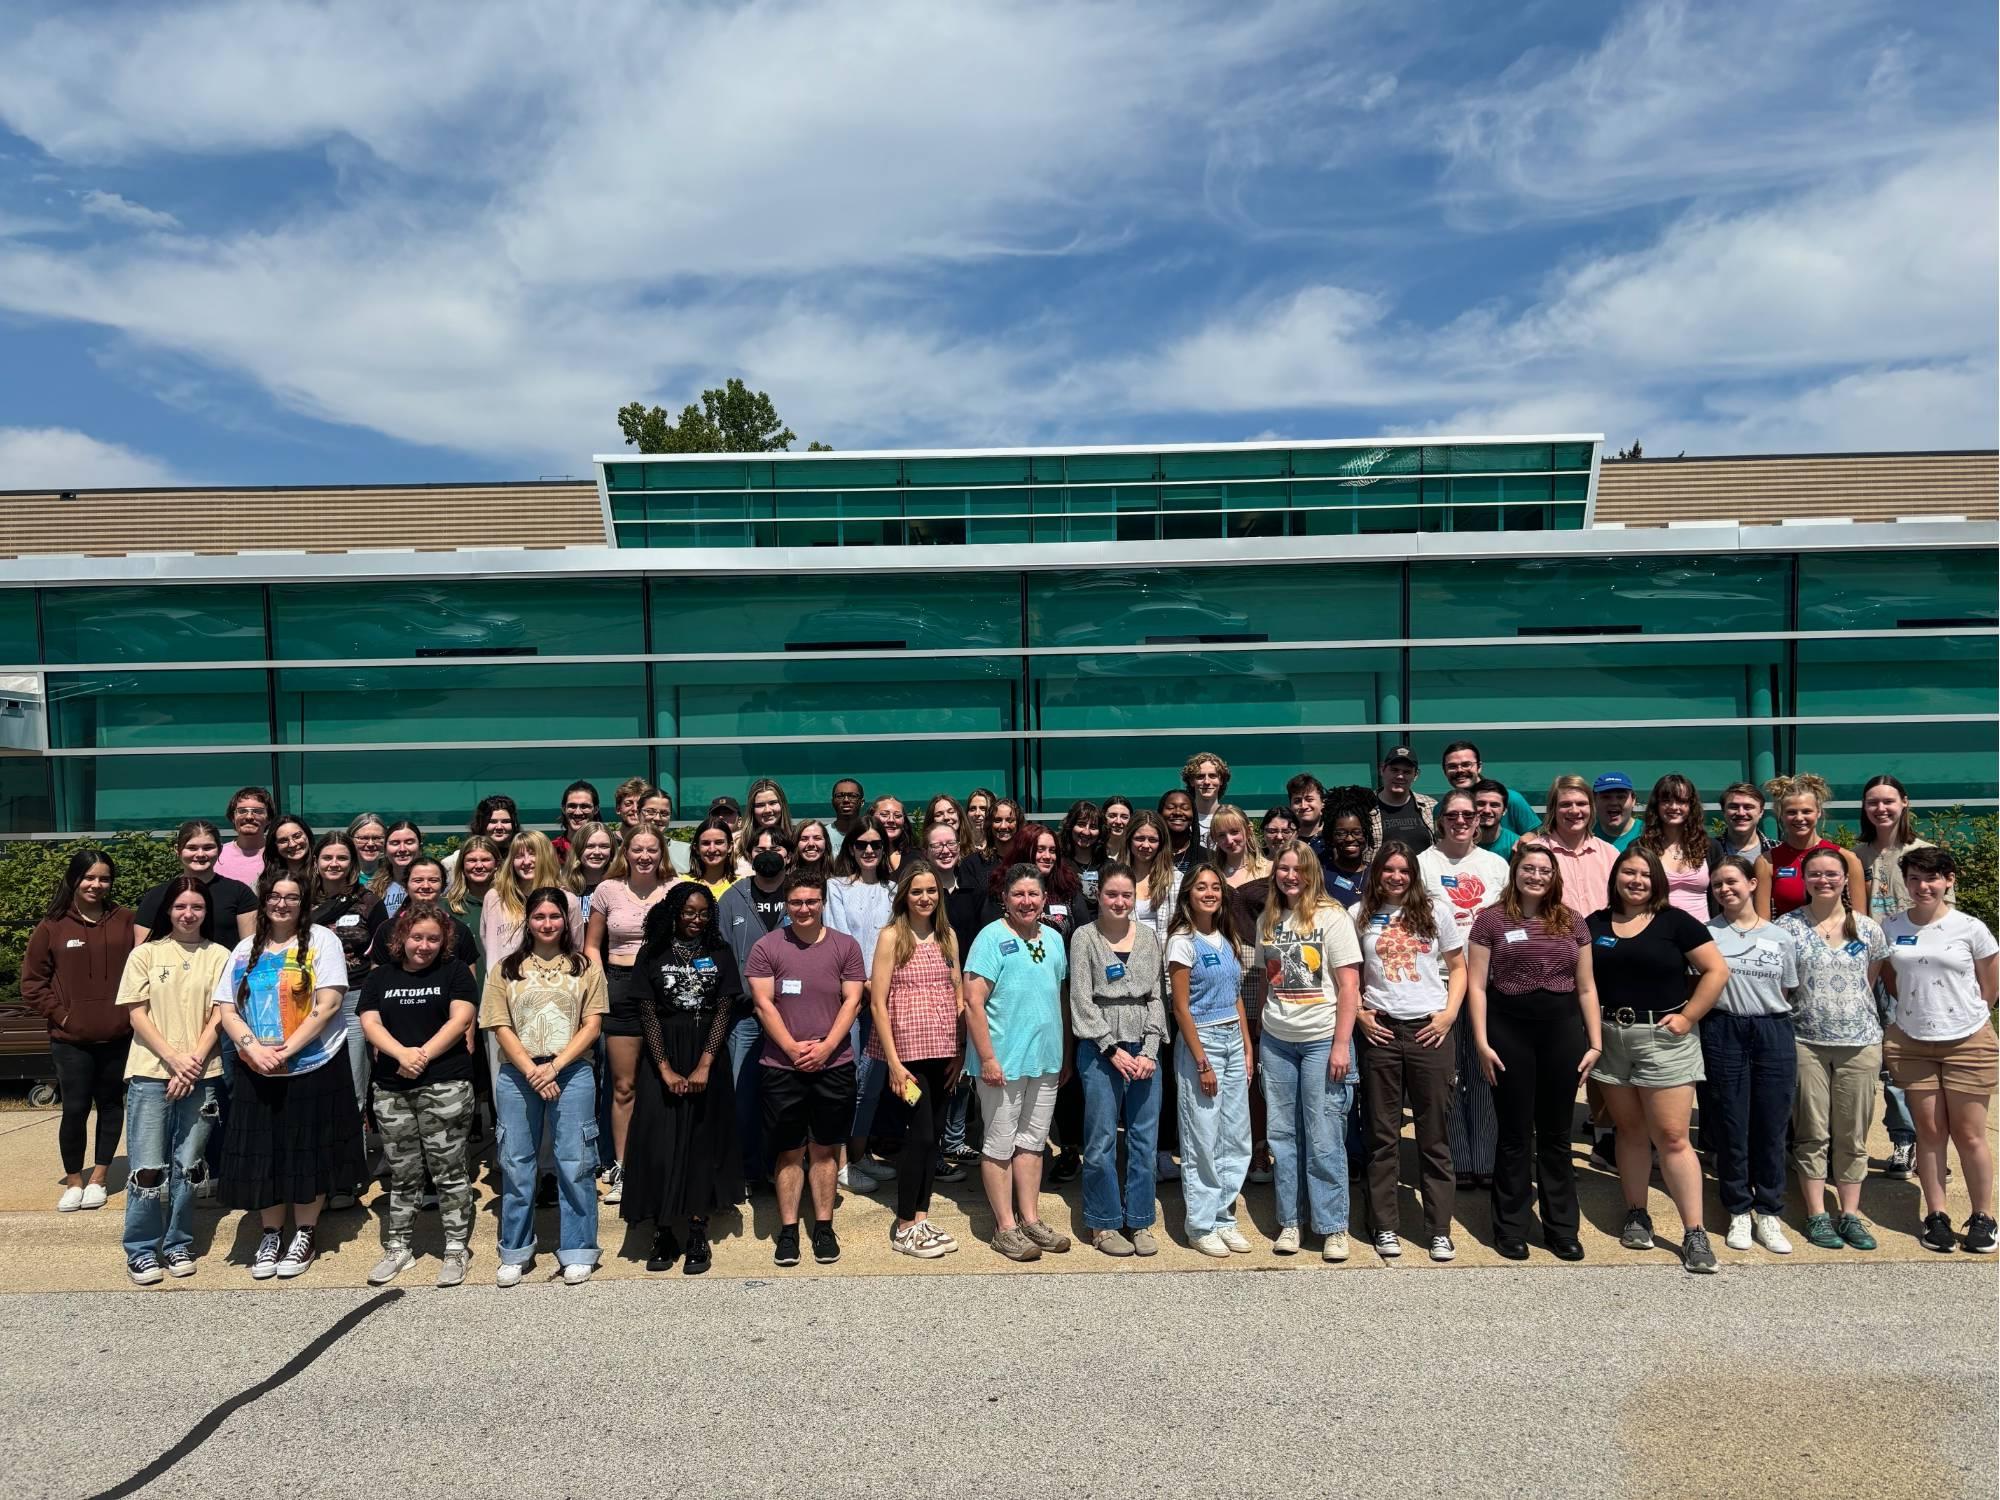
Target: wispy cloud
[[61, 458], [119, 210]]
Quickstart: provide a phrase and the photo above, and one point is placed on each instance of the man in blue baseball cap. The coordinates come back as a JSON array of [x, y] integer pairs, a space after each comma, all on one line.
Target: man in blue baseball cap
[[1615, 801]]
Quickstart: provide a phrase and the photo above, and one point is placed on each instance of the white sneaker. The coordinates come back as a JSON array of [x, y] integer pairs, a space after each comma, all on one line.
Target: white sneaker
[[913, 1241], [392, 1264], [1335, 1248], [1165, 1168], [1260, 1175], [576, 1273], [1738, 1237], [70, 1201], [509, 1275], [1231, 1236], [94, 1195], [1771, 1234], [614, 1185], [1287, 1242], [854, 1179], [1211, 1244]]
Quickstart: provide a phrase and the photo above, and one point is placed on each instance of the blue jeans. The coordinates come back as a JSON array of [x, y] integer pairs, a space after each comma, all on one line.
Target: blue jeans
[[1357, 1082], [168, 1136], [1215, 1131], [1109, 1097], [600, 1063], [870, 1073], [746, 1045], [1753, 1071], [1305, 1123], [572, 1116]]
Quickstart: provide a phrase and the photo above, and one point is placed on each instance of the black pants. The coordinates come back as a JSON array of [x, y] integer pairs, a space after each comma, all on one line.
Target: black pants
[[1403, 1071], [1540, 1039], [90, 1073], [1069, 1111], [916, 1164]]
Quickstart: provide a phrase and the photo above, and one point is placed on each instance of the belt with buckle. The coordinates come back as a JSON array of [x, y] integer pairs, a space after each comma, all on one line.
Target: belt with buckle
[[1625, 1015]]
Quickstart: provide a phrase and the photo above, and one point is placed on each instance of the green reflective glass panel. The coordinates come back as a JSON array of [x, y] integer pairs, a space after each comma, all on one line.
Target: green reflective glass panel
[[1256, 464], [836, 473], [1357, 463], [1499, 596], [1891, 590], [1937, 762], [27, 804], [828, 699], [1112, 468], [1142, 766], [1486, 458], [947, 472], [118, 710], [776, 614], [1220, 690], [624, 476], [566, 617], [1186, 605], [807, 772], [1573, 455], [734, 474], [152, 791], [368, 705], [1594, 683], [18, 644], [162, 623], [439, 789], [1528, 761]]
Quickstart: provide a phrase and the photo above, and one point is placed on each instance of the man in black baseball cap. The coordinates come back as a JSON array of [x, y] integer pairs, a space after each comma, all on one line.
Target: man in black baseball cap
[[1400, 813]]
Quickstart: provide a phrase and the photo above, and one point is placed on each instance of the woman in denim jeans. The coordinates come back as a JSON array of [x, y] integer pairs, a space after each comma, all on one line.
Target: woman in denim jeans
[[171, 1077], [544, 1005], [1214, 1060], [1312, 975], [1119, 1018]]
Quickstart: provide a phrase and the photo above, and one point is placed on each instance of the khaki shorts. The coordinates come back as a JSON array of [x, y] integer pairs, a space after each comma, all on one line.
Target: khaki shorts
[[1646, 1055], [1970, 1065]]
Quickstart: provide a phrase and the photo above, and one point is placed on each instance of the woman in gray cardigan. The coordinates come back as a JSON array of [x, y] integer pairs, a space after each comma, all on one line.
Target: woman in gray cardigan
[[1119, 1018]]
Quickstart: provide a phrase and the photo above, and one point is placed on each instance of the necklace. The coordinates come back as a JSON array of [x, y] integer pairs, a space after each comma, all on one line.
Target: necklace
[[1037, 950]]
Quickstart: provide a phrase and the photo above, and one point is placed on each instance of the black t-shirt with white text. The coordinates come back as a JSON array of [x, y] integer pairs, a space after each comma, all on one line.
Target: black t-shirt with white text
[[413, 1005], [770, 908], [1404, 824]]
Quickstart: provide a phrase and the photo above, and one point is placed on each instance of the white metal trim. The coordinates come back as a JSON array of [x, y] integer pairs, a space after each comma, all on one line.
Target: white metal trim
[[948, 653], [1197, 732], [604, 509], [1064, 451]]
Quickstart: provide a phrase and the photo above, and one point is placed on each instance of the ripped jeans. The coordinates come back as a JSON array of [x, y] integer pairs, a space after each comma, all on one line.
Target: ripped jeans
[[167, 1137]]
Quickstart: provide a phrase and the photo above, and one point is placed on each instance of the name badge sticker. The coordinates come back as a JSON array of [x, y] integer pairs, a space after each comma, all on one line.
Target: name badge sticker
[[1380, 919], [704, 966], [1789, 872], [1517, 935], [1909, 940], [1009, 946], [350, 920], [1210, 960], [1114, 970], [1856, 948], [1765, 945], [791, 987], [1607, 941], [1449, 882]]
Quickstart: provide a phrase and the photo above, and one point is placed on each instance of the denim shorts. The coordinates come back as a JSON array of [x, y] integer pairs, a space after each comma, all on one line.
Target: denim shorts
[[1646, 1055]]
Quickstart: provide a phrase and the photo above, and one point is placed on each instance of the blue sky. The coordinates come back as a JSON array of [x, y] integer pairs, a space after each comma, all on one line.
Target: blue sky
[[287, 243]]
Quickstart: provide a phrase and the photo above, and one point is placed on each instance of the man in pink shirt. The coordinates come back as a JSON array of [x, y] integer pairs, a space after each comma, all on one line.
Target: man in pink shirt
[[242, 858]]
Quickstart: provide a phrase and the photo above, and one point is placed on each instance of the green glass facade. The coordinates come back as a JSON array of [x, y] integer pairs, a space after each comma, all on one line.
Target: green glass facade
[[1095, 495], [418, 697]]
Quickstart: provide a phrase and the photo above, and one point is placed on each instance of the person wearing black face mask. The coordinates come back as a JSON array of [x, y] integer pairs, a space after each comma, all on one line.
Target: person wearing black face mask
[[749, 909]]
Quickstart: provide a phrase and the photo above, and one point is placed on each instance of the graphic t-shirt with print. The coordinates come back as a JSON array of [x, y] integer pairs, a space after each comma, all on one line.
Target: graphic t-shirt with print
[[1403, 973], [1470, 885], [1300, 975], [280, 994], [414, 1005]]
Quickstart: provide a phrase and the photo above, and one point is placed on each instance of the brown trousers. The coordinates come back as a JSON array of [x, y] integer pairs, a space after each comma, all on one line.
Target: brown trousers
[[1402, 1072]]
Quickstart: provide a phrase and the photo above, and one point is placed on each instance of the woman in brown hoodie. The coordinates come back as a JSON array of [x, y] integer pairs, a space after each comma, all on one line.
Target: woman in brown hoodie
[[70, 979]]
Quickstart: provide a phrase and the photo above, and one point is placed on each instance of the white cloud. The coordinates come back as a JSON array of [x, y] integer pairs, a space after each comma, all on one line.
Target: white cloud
[[61, 458], [119, 210]]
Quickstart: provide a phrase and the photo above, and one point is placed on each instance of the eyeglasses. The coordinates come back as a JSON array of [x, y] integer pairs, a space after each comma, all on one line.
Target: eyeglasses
[[805, 905], [277, 898]]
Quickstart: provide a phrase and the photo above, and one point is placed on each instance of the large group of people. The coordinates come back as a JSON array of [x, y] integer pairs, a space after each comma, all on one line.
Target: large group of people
[[1155, 989]]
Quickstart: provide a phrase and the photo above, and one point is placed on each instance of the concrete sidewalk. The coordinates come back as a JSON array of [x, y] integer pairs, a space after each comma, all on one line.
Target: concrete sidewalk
[[41, 1250]]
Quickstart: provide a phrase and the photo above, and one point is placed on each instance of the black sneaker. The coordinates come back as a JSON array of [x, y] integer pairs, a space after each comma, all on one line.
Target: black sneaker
[[785, 1249], [961, 1154], [666, 1250], [1604, 1150], [1980, 1234], [699, 1257], [548, 1192], [948, 1171], [144, 1268], [1068, 1167], [1937, 1234], [264, 1264], [826, 1245], [302, 1251], [1696, 1254], [1902, 1162], [1638, 1232]]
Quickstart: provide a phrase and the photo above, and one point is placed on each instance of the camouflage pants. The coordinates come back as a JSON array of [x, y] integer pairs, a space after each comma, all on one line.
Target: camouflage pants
[[426, 1128]]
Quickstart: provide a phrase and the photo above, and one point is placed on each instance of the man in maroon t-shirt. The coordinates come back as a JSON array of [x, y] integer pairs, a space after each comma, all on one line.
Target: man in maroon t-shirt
[[806, 981]]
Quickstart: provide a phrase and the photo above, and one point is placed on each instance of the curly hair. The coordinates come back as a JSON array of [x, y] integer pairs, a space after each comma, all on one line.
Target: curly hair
[[1805, 784], [414, 912]]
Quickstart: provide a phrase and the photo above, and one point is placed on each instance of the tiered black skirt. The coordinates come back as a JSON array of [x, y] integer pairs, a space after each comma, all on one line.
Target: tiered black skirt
[[291, 1138]]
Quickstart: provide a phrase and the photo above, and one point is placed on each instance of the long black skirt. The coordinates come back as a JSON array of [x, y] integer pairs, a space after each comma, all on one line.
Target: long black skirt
[[290, 1138], [681, 1154]]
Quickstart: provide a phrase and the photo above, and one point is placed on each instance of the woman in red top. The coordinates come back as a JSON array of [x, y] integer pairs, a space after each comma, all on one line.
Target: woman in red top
[[69, 977], [916, 991], [1800, 802]]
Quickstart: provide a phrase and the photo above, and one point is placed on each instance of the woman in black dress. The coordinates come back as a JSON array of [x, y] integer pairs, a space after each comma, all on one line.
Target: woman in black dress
[[681, 1157]]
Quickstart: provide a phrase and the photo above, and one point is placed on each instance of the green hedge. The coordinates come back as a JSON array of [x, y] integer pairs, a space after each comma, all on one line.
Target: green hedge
[[29, 872]]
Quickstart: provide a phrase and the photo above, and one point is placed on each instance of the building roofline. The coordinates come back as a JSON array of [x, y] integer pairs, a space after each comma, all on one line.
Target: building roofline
[[1260, 445], [583, 482], [1758, 458]]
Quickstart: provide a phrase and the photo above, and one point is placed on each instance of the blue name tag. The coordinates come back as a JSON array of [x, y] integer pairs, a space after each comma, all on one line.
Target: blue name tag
[[1210, 961], [1788, 872], [704, 966], [1114, 971], [1606, 942], [1907, 942], [1380, 919], [1010, 946], [1449, 882], [1857, 948]]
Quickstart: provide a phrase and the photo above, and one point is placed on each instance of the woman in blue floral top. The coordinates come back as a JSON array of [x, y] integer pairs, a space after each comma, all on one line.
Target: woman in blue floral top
[[1839, 1037]]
